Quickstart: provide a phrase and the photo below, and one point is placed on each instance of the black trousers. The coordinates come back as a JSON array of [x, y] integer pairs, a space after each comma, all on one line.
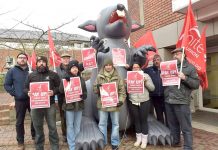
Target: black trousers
[[159, 106], [140, 116], [62, 116], [21, 107], [179, 119]]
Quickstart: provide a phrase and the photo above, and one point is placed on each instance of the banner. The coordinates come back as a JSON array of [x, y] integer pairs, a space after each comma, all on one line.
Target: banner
[[135, 82], [169, 73], [72, 89], [195, 45], [54, 57], [89, 58], [109, 95], [119, 57], [39, 97], [147, 39], [32, 60]]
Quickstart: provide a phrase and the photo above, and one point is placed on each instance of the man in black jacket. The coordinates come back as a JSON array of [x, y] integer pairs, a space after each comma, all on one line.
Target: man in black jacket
[[62, 72], [43, 74], [157, 96], [177, 102], [14, 85]]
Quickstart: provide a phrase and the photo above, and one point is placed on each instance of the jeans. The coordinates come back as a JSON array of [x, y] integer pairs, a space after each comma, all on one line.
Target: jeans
[[38, 116], [179, 120], [103, 120], [140, 116], [73, 120], [21, 107]]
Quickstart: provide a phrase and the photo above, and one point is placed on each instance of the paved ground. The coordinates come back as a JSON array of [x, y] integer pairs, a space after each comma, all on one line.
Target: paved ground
[[203, 140]]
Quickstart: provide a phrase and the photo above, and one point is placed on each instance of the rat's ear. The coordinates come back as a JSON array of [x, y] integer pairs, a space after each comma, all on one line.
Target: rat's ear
[[89, 25], [136, 26]]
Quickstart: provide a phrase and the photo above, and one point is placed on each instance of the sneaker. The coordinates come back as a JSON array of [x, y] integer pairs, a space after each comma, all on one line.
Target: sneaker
[[177, 145], [65, 139], [20, 147], [114, 147]]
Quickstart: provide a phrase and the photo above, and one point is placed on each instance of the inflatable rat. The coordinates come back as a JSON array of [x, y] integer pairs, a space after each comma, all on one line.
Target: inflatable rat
[[113, 27]]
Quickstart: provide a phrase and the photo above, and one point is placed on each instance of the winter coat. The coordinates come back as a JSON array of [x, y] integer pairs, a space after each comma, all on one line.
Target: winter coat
[[15, 83], [48, 76], [173, 95], [101, 79], [154, 73], [61, 71], [137, 98], [74, 106]]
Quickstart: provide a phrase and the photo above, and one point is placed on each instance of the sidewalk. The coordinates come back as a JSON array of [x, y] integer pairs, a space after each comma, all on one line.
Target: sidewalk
[[203, 140]]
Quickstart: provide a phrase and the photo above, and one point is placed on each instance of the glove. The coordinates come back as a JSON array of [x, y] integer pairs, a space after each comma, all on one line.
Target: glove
[[98, 86], [67, 78], [120, 103], [81, 68], [81, 96]]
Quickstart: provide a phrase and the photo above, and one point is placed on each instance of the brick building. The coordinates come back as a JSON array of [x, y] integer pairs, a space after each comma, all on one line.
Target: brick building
[[13, 42], [165, 19]]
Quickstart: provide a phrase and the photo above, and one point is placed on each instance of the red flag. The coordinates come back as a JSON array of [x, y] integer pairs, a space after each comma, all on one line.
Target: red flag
[[191, 40], [33, 60], [54, 57], [147, 39], [203, 73], [189, 27]]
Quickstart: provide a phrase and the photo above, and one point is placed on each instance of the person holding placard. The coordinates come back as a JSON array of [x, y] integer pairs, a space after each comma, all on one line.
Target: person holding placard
[[140, 105], [177, 101], [74, 88], [43, 74], [109, 74]]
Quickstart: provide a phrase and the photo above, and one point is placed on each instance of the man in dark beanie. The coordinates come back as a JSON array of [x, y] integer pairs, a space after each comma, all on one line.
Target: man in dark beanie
[[14, 85], [108, 74], [43, 74]]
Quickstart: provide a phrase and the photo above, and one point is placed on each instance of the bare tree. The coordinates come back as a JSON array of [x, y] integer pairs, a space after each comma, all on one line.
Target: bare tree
[[26, 38]]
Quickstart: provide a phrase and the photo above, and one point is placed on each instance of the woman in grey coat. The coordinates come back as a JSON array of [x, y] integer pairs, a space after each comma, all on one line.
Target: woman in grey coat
[[139, 107]]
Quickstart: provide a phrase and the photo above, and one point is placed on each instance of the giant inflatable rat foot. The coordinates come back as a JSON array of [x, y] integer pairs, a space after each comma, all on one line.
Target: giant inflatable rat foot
[[89, 138]]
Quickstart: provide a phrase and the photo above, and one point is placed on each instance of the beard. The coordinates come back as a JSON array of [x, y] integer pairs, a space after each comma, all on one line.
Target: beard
[[42, 69]]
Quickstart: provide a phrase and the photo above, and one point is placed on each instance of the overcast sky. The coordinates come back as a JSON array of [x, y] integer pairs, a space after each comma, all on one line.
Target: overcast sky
[[53, 13]]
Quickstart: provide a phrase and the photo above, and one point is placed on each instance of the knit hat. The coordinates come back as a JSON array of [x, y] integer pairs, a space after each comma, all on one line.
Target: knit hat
[[108, 61], [43, 58], [73, 63]]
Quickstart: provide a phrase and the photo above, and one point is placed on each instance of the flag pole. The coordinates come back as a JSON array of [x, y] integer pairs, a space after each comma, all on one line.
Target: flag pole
[[29, 66], [53, 62], [181, 65]]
